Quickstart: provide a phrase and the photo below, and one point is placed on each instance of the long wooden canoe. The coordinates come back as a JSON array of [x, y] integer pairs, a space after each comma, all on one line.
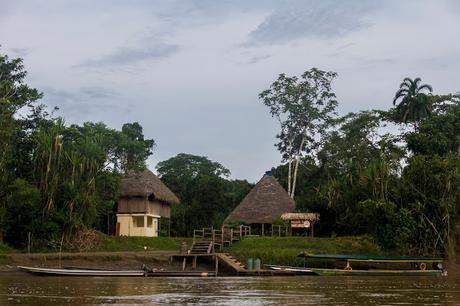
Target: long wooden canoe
[[81, 272], [294, 270], [382, 259], [181, 274], [418, 265], [377, 272]]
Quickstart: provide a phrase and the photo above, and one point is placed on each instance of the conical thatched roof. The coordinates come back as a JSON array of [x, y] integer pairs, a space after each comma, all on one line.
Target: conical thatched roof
[[145, 183], [265, 203]]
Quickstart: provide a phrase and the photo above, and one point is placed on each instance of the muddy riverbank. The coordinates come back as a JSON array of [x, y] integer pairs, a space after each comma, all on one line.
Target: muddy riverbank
[[159, 260]]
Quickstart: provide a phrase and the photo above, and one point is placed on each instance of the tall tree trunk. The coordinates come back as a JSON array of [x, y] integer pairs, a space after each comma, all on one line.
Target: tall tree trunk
[[299, 154], [289, 165]]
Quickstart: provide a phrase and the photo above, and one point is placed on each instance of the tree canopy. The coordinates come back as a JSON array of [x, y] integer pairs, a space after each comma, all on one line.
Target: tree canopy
[[304, 107], [415, 104], [56, 179], [207, 196]]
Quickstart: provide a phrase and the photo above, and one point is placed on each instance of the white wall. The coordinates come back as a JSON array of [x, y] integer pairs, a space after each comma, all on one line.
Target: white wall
[[129, 228]]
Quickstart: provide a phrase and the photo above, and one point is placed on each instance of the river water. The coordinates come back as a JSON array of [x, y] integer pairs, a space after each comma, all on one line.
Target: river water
[[301, 290]]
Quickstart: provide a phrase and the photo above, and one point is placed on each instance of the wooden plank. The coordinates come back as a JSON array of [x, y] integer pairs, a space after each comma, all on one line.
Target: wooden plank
[[231, 262]]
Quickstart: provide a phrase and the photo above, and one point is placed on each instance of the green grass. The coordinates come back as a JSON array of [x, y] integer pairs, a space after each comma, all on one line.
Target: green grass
[[4, 254], [284, 250], [106, 243], [114, 244], [4, 249]]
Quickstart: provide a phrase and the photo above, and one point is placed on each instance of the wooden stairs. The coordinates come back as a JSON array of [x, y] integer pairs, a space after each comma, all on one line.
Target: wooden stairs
[[232, 262], [207, 241], [202, 247]]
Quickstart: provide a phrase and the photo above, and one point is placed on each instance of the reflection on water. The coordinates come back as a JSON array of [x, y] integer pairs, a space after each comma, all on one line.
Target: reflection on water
[[306, 290]]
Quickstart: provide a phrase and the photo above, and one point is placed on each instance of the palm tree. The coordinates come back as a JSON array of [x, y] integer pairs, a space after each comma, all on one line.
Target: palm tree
[[415, 102]]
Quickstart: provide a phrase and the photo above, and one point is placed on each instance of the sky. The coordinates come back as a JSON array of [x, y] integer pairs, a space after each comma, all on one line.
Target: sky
[[190, 71]]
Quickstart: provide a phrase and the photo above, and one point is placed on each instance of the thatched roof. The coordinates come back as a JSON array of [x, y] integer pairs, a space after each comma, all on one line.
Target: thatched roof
[[300, 216], [265, 203], [145, 184]]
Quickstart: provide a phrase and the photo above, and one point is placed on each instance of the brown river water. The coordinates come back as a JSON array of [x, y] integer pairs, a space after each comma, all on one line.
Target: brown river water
[[301, 290]]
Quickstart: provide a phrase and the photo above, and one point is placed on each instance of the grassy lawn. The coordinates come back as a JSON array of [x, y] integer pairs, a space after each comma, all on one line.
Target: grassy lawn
[[114, 244], [111, 244], [284, 250]]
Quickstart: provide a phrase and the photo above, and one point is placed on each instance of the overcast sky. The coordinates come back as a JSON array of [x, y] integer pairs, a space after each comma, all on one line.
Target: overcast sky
[[190, 71]]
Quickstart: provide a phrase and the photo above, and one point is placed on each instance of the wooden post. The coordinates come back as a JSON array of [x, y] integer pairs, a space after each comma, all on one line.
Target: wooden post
[[222, 239], [279, 230], [217, 264], [169, 227], [158, 225], [28, 244], [231, 236], [311, 223], [194, 262], [263, 230], [184, 262]]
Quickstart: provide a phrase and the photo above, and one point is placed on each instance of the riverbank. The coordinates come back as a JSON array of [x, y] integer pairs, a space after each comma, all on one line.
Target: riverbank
[[132, 252], [132, 260], [284, 250], [106, 252]]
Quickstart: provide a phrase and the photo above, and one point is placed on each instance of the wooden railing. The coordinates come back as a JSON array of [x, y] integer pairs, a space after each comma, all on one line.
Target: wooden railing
[[222, 237]]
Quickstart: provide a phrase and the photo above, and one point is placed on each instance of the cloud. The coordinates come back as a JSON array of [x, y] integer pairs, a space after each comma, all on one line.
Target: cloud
[[324, 19], [258, 58], [85, 99], [129, 56], [21, 52]]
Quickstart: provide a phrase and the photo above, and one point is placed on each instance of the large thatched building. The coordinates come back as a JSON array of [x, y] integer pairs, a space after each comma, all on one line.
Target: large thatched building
[[144, 201], [262, 206]]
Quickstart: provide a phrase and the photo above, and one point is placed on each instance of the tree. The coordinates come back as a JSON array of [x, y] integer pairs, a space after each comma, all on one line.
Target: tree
[[415, 104], [132, 149], [14, 95], [353, 179], [432, 190], [207, 197], [179, 170], [304, 107], [439, 134]]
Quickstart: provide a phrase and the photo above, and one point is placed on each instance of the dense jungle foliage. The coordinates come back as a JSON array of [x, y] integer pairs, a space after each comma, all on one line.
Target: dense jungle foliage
[[393, 175]]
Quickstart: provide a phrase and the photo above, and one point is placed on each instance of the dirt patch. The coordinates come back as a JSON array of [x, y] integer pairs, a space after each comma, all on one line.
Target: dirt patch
[[453, 268]]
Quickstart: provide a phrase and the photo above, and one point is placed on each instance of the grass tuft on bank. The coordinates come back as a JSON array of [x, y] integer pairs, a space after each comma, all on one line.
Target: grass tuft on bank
[[284, 250], [4, 249]]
